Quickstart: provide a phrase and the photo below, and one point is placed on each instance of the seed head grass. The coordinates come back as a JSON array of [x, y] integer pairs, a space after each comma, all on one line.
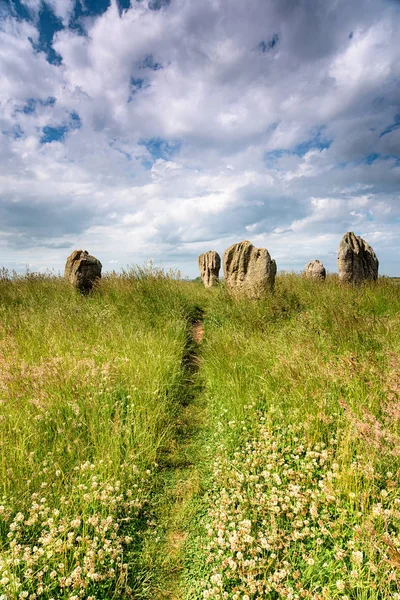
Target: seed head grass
[[137, 463], [301, 492], [89, 392]]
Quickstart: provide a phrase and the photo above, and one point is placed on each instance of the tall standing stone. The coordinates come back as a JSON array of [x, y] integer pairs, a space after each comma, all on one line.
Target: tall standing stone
[[249, 271], [315, 270], [82, 270], [209, 265], [357, 261]]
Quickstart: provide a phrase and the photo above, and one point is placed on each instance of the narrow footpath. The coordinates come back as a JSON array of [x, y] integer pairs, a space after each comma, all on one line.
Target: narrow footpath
[[181, 482]]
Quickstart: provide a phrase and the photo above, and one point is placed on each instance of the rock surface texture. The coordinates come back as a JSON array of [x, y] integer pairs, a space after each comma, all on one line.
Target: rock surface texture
[[357, 261], [82, 270], [209, 265], [249, 271], [315, 270]]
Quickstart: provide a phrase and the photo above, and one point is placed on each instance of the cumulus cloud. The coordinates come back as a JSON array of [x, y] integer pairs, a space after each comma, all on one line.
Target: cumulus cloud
[[164, 129]]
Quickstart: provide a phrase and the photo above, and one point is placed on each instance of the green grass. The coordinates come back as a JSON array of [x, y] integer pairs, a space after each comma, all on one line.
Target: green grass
[[302, 489], [265, 468], [90, 393]]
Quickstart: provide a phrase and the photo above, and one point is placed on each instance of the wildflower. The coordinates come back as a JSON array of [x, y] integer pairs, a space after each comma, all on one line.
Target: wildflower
[[354, 574], [217, 579], [357, 557], [339, 554], [340, 585]]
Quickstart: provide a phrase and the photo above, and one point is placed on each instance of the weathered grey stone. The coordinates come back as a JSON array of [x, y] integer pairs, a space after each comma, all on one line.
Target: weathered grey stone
[[249, 271], [209, 265], [357, 261], [82, 270], [315, 270]]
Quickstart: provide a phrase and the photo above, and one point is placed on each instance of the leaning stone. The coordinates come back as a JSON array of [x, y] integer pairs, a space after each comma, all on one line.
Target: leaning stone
[[315, 270], [209, 265], [357, 261], [249, 271], [82, 270]]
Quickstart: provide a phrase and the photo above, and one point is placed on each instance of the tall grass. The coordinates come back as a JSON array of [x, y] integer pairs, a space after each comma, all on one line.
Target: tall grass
[[303, 395], [284, 469], [89, 392]]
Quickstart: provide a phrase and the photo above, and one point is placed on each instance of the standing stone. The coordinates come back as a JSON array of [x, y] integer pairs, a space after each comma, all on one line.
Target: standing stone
[[82, 270], [357, 261], [315, 270], [209, 265], [249, 271]]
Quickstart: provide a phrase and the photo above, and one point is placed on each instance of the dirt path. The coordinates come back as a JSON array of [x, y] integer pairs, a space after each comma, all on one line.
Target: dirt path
[[198, 331], [183, 478]]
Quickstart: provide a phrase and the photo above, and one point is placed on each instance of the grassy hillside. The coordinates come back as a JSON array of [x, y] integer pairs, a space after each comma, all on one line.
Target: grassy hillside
[[302, 497], [136, 463], [90, 389]]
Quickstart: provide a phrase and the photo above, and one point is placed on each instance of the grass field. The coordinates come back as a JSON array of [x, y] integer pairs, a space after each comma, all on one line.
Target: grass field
[[139, 463]]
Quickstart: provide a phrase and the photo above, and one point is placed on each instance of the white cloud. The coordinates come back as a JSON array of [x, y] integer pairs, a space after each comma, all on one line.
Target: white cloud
[[280, 145], [62, 9]]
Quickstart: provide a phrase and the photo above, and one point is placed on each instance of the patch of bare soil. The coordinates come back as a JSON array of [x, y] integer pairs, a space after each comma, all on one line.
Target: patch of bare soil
[[198, 331]]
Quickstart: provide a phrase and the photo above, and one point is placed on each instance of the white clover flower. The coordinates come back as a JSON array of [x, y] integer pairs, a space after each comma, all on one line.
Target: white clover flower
[[216, 579], [339, 554], [340, 585], [357, 557]]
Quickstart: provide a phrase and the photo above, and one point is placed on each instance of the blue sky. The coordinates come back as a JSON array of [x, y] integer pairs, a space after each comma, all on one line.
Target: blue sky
[[161, 129]]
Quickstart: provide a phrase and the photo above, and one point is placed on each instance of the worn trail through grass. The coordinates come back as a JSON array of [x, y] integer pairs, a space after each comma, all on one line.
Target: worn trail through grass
[[91, 389], [180, 479]]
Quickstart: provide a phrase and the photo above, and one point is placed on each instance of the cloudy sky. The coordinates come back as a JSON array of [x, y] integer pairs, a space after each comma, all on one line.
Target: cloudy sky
[[164, 128]]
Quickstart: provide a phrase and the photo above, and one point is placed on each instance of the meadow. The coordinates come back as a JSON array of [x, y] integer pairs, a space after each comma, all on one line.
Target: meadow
[[137, 462]]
